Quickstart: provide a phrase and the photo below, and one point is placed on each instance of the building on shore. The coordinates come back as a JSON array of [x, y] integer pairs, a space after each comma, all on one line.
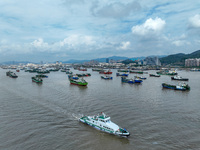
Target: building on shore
[[107, 60], [153, 61], [192, 62]]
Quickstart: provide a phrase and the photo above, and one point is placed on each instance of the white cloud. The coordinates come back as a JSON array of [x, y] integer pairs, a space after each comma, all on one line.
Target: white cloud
[[180, 43], [124, 45], [114, 9], [149, 27], [88, 29], [75, 40], [195, 21], [3, 42], [39, 43]]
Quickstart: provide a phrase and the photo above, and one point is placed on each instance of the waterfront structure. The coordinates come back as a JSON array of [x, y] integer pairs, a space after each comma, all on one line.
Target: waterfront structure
[[107, 60], [194, 62], [152, 61]]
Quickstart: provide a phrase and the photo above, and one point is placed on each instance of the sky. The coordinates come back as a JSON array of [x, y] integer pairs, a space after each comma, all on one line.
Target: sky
[[60, 30]]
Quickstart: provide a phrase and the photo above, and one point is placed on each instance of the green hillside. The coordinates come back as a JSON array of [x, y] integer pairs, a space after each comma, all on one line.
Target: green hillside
[[179, 59]]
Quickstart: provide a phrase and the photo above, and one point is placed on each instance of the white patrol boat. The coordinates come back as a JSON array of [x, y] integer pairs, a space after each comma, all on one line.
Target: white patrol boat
[[102, 122]]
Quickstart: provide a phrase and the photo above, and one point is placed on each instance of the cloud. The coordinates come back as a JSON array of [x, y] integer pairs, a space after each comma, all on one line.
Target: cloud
[[180, 43], [195, 21], [114, 9], [39, 43], [149, 27], [76, 40], [124, 45], [88, 29]]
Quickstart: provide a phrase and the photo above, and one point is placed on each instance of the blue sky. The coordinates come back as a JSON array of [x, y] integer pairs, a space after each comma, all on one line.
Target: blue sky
[[51, 30]]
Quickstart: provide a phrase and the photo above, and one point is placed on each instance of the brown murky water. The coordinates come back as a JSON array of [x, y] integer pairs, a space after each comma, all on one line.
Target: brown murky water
[[44, 117]]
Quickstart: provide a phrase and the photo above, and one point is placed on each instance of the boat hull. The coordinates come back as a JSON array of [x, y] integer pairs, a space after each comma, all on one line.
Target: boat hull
[[174, 87], [102, 129], [37, 80], [11, 74], [181, 79], [137, 72], [80, 84], [124, 74], [131, 80], [75, 82], [106, 78], [154, 75]]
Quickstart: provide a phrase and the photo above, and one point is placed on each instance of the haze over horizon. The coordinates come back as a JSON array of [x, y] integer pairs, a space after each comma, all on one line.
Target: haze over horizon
[[48, 30]]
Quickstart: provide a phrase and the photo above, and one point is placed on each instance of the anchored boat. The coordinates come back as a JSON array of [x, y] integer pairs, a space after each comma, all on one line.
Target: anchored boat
[[136, 80], [122, 74], [154, 75], [106, 77], [102, 122], [138, 72], [11, 74], [75, 77], [167, 72], [179, 78], [105, 72], [182, 86], [41, 76], [80, 82], [142, 78], [37, 79]]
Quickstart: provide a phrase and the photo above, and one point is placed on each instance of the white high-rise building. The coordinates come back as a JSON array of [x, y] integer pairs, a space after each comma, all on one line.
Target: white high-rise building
[[194, 62]]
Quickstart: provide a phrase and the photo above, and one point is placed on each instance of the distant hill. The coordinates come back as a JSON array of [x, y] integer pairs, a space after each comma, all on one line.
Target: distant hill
[[15, 62], [113, 58], [97, 59], [179, 59], [127, 61], [71, 61]]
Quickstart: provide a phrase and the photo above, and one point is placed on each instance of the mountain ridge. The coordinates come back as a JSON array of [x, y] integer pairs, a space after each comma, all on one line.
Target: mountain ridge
[[179, 58]]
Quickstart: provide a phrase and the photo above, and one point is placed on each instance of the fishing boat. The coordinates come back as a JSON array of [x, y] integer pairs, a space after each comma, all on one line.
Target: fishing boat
[[54, 69], [11, 74], [194, 69], [101, 72], [82, 69], [63, 70], [87, 74], [122, 74], [80, 74], [102, 122], [138, 72], [41, 76], [123, 70], [142, 78], [68, 72], [37, 79], [97, 69], [154, 75], [181, 86], [167, 72], [75, 77], [136, 80], [108, 72], [83, 75], [106, 77], [79, 81], [105, 72], [43, 71], [179, 78]]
